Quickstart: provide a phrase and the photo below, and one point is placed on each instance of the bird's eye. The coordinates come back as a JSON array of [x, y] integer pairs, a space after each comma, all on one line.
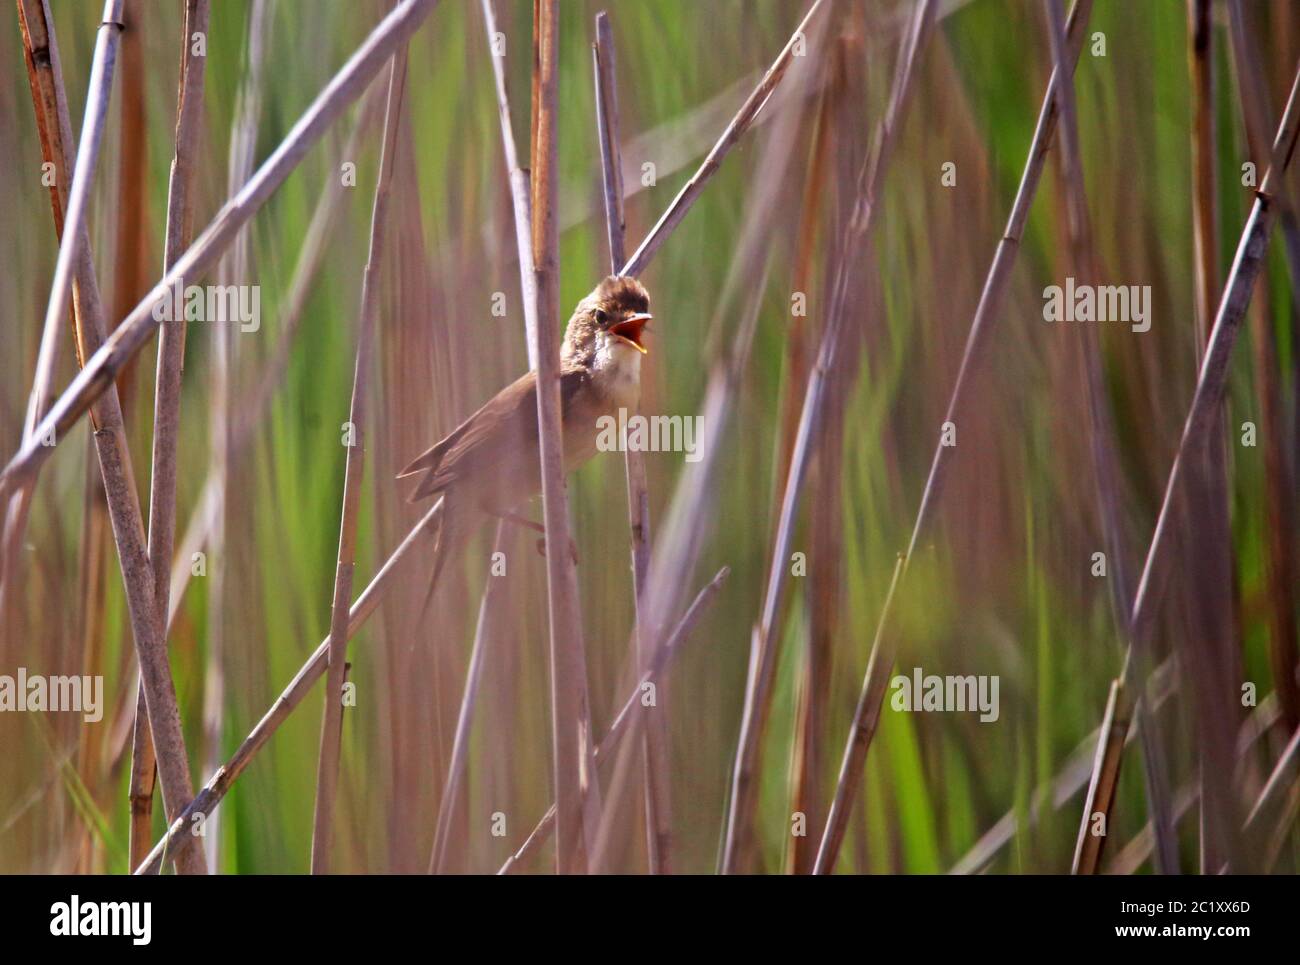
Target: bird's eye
[[602, 319]]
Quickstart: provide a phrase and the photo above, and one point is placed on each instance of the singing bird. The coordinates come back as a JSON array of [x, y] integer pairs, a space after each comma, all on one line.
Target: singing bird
[[490, 464]]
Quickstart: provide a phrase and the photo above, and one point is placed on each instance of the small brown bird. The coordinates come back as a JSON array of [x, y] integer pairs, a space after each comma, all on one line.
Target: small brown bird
[[491, 463]]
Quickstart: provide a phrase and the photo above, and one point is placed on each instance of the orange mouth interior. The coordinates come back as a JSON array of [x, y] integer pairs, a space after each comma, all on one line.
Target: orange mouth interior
[[630, 331]]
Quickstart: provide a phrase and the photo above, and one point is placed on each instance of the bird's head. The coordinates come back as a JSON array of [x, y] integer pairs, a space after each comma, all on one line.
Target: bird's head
[[616, 313]]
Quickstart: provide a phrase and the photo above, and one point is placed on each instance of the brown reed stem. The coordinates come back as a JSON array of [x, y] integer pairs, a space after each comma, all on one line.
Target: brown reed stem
[[167, 406], [1083, 262], [519, 186], [1212, 647], [448, 808], [449, 805], [1282, 569], [808, 756], [110, 435], [327, 770], [658, 791], [571, 734]]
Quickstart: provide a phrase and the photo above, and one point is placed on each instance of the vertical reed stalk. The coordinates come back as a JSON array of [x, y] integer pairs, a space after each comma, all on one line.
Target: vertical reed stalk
[[807, 766], [167, 405], [658, 791], [1212, 644], [1084, 263], [570, 716], [332, 724], [1282, 570], [519, 186], [110, 435], [449, 808], [449, 805]]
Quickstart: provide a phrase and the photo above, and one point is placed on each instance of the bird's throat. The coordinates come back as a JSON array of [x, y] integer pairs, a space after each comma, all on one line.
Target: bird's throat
[[616, 374]]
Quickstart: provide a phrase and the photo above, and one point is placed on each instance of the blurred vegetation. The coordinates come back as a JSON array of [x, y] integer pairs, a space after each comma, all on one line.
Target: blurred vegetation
[[1004, 587]]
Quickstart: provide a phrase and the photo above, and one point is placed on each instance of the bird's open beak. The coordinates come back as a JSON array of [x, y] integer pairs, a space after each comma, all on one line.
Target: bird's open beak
[[630, 329]]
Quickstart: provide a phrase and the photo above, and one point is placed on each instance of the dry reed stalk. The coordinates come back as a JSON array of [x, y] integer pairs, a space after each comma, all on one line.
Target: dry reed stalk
[[91, 620], [450, 804], [657, 773], [1201, 417], [883, 647], [1083, 261], [41, 58], [1282, 570], [1200, 36], [132, 216], [100, 370], [1103, 780], [210, 795], [571, 734], [520, 197], [627, 717], [167, 405], [110, 435], [1212, 647], [822, 608], [1264, 818], [448, 807], [808, 759], [332, 724], [130, 244], [796, 349], [738, 834], [1253, 729], [681, 204]]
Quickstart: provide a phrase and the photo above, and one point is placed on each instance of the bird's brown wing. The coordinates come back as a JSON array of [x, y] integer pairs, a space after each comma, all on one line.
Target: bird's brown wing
[[496, 439]]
